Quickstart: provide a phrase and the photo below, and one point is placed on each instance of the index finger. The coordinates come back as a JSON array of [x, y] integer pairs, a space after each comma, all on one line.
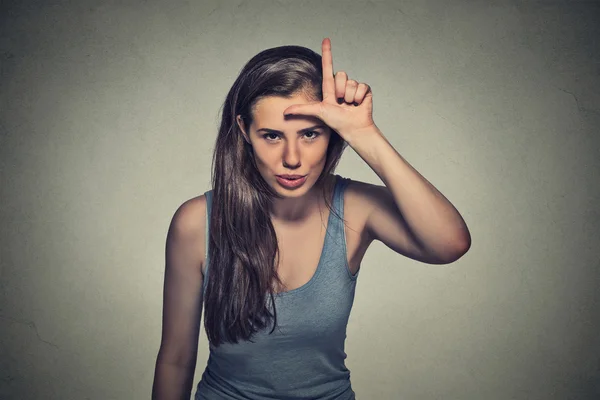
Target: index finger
[[327, 59]]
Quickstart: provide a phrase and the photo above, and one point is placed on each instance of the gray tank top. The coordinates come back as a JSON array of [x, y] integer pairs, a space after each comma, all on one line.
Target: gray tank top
[[304, 356]]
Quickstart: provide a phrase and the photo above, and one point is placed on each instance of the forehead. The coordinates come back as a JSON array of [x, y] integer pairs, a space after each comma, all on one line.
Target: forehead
[[268, 113]]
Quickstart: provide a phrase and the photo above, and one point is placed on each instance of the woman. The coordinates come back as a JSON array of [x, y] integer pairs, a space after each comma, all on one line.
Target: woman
[[280, 283]]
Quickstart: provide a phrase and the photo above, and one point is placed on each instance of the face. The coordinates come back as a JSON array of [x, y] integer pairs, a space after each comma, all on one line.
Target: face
[[294, 145]]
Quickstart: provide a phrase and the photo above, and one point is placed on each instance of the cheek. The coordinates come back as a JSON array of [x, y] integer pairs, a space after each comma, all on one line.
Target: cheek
[[264, 155], [322, 154], [323, 160]]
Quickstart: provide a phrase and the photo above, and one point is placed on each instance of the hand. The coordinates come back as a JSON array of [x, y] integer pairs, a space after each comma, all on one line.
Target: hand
[[355, 111]]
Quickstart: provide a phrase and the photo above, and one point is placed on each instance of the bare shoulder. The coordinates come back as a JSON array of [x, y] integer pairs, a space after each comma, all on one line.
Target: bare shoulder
[[360, 198], [188, 227], [363, 191]]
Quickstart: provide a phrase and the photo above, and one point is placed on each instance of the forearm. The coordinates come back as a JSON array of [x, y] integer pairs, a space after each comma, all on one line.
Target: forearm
[[172, 382], [429, 215]]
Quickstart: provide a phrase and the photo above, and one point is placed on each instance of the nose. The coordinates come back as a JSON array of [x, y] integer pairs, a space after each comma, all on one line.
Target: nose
[[291, 156]]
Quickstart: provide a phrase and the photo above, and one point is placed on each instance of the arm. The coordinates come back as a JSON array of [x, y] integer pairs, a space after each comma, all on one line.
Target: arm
[[408, 214], [182, 303]]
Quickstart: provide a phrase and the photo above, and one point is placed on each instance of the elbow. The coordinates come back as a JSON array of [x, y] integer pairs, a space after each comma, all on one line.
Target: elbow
[[453, 250], [458, 249]]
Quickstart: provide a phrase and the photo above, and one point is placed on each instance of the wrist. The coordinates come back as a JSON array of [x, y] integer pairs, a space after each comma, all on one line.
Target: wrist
[[360, 135]]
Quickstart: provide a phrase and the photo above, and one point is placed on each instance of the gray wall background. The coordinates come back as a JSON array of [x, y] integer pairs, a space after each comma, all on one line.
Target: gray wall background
[[108, 117]]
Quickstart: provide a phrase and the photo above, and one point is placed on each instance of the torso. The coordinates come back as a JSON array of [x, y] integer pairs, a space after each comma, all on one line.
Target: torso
[[298, 263]]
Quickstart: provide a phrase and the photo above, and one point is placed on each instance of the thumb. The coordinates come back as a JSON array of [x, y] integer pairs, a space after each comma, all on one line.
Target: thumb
[[314, 109]]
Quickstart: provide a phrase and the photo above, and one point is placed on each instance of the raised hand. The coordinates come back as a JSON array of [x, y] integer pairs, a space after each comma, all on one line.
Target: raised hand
[[353, 113]]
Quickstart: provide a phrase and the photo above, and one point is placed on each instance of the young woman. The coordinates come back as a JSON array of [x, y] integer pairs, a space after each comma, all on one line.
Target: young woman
[[273, 250]]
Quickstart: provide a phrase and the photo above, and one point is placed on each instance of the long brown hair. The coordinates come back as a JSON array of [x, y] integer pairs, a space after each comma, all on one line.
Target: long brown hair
[[243, 250]]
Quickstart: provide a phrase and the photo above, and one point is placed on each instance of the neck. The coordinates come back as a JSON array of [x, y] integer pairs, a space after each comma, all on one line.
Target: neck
[[297, 210]]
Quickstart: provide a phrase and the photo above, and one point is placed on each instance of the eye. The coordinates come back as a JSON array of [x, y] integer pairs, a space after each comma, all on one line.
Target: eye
[[272, 137], [315, 135], [266, 136]]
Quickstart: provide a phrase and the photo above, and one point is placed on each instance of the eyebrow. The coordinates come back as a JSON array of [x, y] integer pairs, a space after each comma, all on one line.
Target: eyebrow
[[312, 128]]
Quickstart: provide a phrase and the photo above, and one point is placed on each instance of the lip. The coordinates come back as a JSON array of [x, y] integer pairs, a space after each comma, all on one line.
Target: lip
[[288, 183], [288, 176]]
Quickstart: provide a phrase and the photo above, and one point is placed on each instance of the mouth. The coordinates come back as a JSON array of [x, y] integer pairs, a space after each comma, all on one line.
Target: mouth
[[291, 181]]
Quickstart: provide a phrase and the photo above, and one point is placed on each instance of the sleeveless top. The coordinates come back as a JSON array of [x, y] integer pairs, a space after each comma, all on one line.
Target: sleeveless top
[[304, 356]]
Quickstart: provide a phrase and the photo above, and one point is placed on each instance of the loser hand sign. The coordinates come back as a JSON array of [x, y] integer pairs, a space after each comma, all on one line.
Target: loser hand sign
[[354, 112]]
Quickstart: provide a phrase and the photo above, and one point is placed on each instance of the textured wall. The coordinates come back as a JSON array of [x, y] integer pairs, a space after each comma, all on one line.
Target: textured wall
[[108, 117]]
